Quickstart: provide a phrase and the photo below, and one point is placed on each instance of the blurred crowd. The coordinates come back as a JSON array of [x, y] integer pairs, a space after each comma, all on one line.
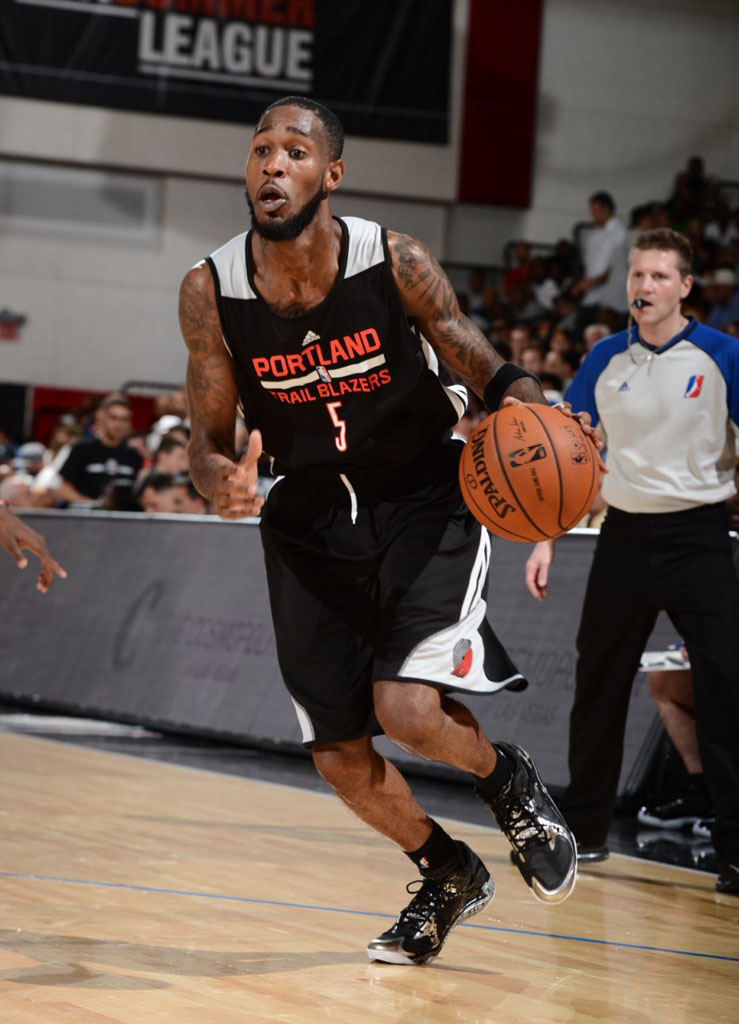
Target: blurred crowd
[[94, 460]]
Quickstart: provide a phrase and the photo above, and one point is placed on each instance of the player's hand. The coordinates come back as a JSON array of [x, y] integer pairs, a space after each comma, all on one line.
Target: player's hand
[[15, 535], [537, 568], [236, 493]]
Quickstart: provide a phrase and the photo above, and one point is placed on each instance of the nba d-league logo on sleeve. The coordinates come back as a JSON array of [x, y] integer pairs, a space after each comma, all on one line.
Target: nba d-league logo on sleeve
[[694, 386]]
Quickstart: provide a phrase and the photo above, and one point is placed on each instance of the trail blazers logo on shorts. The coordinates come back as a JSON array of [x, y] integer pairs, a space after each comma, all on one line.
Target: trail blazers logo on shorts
[[694, 386], [462, 658]]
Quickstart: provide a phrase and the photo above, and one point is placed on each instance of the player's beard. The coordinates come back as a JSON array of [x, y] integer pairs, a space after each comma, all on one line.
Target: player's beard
[[286, 230]]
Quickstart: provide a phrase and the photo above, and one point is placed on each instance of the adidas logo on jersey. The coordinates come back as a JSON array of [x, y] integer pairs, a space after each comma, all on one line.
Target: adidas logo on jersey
[[310, 336], [624, 387]]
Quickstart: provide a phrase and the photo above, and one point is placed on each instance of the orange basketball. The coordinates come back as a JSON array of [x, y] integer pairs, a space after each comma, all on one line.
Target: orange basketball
[[529, 473]]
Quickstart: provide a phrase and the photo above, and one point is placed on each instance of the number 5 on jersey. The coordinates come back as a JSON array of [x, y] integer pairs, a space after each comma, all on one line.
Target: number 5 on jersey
[[340, 424]]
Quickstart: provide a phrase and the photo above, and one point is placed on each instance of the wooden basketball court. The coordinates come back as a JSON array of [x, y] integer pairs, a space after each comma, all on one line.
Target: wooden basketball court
[[133, 891]]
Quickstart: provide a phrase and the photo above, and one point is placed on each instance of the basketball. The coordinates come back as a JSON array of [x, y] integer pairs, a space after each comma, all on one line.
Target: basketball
[[528, 473]]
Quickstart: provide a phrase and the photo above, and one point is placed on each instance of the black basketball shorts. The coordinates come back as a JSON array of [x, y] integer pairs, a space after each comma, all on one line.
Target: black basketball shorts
[[371, 582]]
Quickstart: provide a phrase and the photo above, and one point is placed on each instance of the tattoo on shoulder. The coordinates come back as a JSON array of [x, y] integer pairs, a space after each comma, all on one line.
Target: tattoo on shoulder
[[422, 279], [199, 319]]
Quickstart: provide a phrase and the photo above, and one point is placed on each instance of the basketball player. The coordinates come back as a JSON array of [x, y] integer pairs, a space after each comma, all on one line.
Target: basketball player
[[15, 535], [666, 396], [376, 570]]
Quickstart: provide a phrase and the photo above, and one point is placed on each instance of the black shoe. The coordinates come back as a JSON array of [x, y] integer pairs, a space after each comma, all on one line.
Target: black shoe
[[728, 878], [683, 811], [422, 927], [543, 846], [592, 854]]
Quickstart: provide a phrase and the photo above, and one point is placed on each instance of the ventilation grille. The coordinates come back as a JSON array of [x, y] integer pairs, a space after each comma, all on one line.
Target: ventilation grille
[[116, 208]]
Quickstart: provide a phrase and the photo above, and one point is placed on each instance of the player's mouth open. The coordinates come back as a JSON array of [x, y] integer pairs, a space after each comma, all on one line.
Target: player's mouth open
[[271, 198]]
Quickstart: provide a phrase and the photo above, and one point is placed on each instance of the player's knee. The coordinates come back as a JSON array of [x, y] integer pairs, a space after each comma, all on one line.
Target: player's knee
[[410, 715], [344, 766]]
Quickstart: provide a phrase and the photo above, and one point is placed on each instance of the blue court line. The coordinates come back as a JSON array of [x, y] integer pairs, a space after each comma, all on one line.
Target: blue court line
[[362, 913]]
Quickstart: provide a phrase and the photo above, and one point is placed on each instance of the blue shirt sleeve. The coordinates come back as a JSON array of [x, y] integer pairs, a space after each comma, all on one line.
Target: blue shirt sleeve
[[724, 350], [581, 392]]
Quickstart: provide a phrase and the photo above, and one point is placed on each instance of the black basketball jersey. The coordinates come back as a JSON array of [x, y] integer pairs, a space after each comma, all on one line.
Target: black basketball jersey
[[346, 385]]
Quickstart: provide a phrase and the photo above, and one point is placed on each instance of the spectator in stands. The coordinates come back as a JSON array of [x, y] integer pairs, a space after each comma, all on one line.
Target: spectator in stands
[[593, 333], [565, 312], [672, 693], [521, 302], [519, 338], [605, 250], [642, 219], [532, 358], [551, 385], [94, 462], [138, 440], [693, 194], [547, 281], [723, 297], [30, 458], [156, 492], [724, 231], [171, 456], [16, 490], [189, 502], [563, 365]]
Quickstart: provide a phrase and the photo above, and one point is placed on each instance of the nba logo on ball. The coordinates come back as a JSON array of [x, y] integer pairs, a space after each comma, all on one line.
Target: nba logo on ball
[[525, 455], [529, 473]]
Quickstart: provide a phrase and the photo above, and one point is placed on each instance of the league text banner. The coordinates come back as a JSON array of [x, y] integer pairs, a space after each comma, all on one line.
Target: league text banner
[[383, 67]]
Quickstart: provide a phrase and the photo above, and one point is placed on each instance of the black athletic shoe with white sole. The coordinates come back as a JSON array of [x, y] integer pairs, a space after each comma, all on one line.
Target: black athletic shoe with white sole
[[683, 811], [544, 849], [422, 927]]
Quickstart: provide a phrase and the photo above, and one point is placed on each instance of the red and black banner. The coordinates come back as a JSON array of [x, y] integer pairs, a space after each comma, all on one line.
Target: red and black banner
[[382, 66]]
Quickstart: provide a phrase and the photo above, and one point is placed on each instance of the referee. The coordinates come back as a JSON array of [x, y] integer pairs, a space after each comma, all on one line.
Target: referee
[[665, 398]]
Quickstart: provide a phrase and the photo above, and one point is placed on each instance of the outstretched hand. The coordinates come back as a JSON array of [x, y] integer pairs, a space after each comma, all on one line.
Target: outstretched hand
[[16, 535], [236, 493], [582, 418]]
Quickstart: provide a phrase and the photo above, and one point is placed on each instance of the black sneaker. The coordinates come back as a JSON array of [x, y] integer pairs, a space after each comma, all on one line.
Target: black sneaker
[[422, 927], [543, 847], [681, 812], [728, 878]]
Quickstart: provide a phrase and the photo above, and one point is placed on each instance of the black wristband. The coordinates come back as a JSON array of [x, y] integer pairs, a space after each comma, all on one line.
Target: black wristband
[[497, 387]]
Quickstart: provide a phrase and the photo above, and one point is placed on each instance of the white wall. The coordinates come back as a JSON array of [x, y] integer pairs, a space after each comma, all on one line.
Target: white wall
[[628, 90]]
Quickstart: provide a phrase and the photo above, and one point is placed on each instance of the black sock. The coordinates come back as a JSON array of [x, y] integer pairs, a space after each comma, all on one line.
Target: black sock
[[438, 856], [498, 778]]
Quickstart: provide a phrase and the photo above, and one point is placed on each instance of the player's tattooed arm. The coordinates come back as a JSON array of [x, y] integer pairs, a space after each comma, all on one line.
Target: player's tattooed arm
[[211, 388], [429, 300]]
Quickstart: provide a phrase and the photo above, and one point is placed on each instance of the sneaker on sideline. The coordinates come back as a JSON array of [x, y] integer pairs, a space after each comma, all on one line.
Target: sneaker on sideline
[[681, 812]]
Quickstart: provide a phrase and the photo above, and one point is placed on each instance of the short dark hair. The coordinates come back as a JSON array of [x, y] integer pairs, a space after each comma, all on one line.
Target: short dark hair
[[603, 199], [115, 398], [667, 240], [332, 126], [157, 481], [169, 443]]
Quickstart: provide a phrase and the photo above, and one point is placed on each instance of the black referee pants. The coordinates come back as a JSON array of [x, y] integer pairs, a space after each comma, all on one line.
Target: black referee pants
[[679, 562]]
